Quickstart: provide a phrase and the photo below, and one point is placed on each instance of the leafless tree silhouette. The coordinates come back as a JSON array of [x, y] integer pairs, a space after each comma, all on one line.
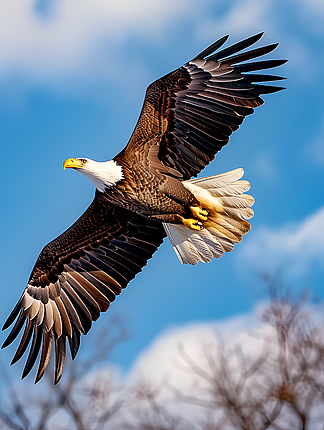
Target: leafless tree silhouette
[[279, 385]]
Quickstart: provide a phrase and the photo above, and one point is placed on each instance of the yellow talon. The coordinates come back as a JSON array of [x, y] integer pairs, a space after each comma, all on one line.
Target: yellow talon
[[194, 224], [199, 212]]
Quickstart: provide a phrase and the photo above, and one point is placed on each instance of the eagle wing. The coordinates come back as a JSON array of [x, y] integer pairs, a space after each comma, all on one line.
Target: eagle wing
[[77, 276], [189, 114]]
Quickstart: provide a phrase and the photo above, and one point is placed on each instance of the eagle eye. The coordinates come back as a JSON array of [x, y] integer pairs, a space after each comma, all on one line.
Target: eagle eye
[[84, 161]]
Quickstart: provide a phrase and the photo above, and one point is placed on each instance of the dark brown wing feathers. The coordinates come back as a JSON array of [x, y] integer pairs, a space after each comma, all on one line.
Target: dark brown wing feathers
[[191, 113], [212, 48], [46, 352], [76, 277]]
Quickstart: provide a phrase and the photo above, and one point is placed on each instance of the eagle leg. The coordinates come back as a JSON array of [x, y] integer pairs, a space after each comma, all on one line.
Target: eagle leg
[[199, 212], [192, 223]]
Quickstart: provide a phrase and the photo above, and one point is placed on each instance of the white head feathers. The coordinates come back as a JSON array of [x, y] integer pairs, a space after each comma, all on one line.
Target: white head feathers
[[102, 174]]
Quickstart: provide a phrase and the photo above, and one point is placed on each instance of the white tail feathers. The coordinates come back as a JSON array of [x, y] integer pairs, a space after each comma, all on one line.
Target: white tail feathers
[[229, 209]]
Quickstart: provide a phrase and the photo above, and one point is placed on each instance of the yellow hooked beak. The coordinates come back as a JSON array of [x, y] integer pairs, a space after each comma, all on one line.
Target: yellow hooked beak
[[73, 163]]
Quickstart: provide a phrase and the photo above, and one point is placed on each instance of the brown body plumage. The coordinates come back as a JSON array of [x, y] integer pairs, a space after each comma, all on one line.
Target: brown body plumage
[[147, 191]]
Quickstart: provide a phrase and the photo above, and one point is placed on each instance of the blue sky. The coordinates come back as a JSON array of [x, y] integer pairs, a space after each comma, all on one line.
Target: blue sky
[[72, 81]]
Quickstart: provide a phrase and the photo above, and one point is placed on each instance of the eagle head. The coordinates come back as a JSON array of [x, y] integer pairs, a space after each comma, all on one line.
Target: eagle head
[[102, 174]]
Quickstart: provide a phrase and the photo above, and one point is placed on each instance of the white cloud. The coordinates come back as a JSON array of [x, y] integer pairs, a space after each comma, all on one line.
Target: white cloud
[[291, 23], [247, 16], [78, 34], [161, 366], [80, 38], [163, 353], [241, 18], [295, 247]]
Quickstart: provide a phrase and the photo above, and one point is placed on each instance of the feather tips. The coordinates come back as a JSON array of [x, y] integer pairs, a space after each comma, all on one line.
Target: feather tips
[[239, 46], [46, 353], [60, 352], [212, 48]]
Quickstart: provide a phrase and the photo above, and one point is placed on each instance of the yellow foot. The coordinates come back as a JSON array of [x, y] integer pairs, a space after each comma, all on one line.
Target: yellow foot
[[199, 212], [194, 224]]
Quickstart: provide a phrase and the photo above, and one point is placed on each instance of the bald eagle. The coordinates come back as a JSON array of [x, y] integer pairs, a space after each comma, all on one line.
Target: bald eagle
[[143, 195]]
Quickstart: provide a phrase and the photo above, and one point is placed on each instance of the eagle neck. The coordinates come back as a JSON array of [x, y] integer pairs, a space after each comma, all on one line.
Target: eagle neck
[[104, 174]]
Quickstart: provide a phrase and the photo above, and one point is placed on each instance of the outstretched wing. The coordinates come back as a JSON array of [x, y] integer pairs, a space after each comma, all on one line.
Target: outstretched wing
[[77, 276], [189, 114]]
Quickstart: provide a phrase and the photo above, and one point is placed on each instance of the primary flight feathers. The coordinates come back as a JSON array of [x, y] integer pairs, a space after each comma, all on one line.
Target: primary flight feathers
[[144, 193]]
